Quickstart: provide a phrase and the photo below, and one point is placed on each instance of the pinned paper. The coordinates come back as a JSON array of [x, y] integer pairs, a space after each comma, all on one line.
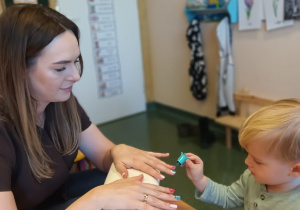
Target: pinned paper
[[274, 11], [250, 14]]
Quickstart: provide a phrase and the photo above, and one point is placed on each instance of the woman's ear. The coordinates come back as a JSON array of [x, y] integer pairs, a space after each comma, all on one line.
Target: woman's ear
[[295, 172]]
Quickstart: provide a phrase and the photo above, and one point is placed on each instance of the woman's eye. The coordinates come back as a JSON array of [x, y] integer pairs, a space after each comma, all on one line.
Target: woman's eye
[[77, 64], [63, 68]]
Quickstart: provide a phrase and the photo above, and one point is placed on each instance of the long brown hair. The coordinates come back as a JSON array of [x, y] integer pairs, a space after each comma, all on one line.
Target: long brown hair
[[24, 31]]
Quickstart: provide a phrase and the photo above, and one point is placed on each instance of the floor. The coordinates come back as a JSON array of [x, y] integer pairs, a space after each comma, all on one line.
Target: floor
[[156, 130]]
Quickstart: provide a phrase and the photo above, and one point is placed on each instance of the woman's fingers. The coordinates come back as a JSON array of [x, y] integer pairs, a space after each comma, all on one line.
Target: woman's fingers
[[150, 170], [158, 196], [160, 162], [157, 188], [154, 166], [152, 158], [153, 201], [156, 154], [134, 193], [122, 169], [129, 157]]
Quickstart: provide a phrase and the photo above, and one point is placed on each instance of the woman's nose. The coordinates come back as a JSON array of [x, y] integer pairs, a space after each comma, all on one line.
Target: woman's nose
[[74, 73]]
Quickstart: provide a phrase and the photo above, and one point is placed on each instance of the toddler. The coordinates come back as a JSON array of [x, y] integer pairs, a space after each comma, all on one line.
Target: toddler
[[271, 137]]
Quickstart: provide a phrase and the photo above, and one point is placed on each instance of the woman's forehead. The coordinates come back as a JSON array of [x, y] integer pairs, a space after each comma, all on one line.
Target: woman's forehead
[[62, 47]]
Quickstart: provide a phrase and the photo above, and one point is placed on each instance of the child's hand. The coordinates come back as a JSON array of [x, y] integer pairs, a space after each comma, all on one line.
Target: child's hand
[[194, 170], [194, 167]]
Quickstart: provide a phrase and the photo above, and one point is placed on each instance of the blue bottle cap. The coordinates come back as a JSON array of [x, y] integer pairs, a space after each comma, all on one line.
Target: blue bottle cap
[[181, 160]]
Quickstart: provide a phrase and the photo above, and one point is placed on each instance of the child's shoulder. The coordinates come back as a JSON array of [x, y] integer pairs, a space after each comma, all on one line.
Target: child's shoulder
[[248, 180], [247, 174]]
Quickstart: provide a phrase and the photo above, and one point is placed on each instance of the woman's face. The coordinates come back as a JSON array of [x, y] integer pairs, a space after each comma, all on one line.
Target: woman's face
[[56, 70]]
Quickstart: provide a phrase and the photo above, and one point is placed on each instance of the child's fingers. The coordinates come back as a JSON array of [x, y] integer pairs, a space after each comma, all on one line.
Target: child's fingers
[[195, 159], [189, 154], [192, 156], [189, 163]]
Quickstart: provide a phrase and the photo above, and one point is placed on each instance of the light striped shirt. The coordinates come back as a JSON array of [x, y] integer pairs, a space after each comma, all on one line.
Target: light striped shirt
[[247, 193]]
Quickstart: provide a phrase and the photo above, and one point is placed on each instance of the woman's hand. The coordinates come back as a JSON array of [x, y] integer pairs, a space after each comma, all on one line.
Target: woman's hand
[[127, 194], [126, 157]]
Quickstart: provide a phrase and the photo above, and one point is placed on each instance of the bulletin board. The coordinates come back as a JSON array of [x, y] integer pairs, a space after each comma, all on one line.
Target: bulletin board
[[105, 47]]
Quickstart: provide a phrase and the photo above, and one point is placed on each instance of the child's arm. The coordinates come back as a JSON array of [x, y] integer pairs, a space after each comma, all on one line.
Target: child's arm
[[194, 170], [211, 192]]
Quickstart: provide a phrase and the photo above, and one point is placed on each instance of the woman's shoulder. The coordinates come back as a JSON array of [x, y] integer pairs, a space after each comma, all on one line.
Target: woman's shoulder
[[7, 143], [84, 118], [7, 136]]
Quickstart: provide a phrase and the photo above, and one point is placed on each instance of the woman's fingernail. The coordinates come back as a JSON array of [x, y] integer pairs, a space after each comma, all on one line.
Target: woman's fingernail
[[173, 167], [162, 176], [174, 172], [177, 197], [173, 206], [171, 190], [123, 175]]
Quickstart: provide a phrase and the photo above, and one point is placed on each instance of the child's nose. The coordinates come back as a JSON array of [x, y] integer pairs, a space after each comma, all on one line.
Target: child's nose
[[247, 161]]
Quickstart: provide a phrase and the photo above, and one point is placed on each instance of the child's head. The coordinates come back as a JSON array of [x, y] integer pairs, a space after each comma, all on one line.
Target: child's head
[[277, 127], [271, 137]]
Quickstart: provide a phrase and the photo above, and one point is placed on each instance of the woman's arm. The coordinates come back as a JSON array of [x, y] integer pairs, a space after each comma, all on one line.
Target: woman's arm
[[96, 147], [7, 201], [125, 193], [101, 151]]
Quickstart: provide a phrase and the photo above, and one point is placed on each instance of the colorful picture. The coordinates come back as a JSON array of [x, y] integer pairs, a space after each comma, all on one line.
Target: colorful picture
[[250, 14], [249, 4]]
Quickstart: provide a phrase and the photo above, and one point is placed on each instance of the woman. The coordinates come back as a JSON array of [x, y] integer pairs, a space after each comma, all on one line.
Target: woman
[[42, 125]]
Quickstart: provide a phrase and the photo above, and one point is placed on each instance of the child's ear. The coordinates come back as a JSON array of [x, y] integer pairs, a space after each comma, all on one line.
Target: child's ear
[[295, 170]]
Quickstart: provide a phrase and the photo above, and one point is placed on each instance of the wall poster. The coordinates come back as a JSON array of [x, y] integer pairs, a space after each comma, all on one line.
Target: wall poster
[[274, 10], [105, 47], [250, 14]]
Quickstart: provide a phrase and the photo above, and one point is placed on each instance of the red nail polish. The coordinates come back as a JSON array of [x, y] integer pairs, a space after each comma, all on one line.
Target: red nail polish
[[173, 167], [171, 190]]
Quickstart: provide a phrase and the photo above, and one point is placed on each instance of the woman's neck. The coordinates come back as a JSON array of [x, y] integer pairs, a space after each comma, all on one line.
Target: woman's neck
[[41, 114], [40, 120]]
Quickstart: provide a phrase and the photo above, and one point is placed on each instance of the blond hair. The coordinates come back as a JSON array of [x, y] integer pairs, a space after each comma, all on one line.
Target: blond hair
[[277, 126]]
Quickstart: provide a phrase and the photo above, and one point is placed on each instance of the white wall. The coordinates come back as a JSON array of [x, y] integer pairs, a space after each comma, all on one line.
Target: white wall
[[132, 99], [266, 63], [170, 57]]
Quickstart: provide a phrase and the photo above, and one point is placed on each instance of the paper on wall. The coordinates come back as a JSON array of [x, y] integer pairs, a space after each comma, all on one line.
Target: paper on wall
[[274, 12], [250, 14]]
